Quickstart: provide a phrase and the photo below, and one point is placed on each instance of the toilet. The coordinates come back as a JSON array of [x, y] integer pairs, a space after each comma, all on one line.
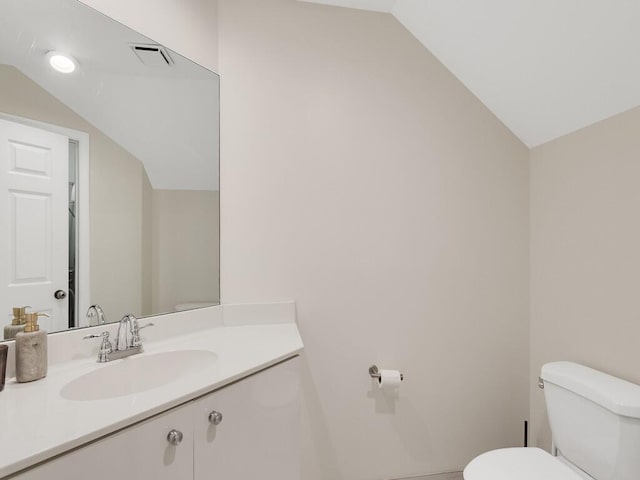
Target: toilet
[[595, 425]]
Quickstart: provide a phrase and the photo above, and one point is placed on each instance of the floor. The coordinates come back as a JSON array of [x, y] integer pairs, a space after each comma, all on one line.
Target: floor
[[438, 476]]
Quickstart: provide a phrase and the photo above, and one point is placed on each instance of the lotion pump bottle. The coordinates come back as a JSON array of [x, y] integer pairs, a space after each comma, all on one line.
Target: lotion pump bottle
[[31, 350], [17, 324]]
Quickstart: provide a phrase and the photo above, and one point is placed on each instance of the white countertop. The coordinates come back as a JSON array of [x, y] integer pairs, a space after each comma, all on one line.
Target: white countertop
[[37, 423]]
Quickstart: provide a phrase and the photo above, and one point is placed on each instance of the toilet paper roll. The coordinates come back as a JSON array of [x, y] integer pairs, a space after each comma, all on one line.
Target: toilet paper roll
[[389, 379]]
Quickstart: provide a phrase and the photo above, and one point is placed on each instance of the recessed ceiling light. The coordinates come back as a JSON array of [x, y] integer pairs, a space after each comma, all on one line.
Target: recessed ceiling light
[[62, 62]]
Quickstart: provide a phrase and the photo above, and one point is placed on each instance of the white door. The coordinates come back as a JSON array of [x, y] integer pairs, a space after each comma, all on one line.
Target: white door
[[34, 220]]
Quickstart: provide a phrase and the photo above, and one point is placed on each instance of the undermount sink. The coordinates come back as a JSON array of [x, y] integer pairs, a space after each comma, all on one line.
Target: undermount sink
[[137, 374]]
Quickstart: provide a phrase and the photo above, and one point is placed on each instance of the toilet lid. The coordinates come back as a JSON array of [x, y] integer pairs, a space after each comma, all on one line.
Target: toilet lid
[[518, 464]]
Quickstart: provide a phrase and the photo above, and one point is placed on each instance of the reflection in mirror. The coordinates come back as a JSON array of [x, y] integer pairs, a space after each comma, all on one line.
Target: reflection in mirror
[[108, 169]]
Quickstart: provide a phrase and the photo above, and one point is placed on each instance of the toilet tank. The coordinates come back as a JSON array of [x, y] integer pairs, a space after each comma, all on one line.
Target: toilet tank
[[594, 419]]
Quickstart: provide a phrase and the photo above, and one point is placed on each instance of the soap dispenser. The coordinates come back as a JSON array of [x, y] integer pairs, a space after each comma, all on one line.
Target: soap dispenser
[[17, 324], [31, 350]]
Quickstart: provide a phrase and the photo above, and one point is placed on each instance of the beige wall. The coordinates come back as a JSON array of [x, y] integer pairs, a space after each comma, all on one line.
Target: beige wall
[[116, 200], [361, 179], [585, 255], [185, 250]]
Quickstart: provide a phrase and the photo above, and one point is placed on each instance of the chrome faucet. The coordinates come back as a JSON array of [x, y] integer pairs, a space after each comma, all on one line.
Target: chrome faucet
[[95, 311], [125, 332], [127, 343]]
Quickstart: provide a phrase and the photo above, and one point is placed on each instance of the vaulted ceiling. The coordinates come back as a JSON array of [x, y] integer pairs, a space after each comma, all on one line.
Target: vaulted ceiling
[[545, 68]]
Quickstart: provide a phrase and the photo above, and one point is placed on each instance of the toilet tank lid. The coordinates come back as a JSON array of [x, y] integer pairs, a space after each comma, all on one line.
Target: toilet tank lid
[[614, 394]]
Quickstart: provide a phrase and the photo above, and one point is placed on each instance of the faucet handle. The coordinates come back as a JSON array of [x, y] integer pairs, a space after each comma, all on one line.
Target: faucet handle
[[135, 330], [105, 347], [97, 335]]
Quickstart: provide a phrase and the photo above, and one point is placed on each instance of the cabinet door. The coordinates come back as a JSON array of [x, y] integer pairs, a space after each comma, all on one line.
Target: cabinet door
[[138, 452], [258, 436]]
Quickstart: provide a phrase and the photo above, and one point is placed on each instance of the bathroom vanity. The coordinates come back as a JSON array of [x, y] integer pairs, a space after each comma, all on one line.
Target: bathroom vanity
[[220, 400], [89, 157], [256, 420]]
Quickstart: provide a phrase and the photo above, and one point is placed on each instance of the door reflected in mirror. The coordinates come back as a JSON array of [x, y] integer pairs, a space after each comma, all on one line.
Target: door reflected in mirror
[[108, 169]]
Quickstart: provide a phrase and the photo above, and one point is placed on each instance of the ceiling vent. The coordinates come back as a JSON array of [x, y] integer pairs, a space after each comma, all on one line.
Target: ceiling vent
[[152, 55]]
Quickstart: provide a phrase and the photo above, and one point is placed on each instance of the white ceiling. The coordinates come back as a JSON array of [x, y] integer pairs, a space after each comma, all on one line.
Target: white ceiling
[[544, 67], [167, 117]]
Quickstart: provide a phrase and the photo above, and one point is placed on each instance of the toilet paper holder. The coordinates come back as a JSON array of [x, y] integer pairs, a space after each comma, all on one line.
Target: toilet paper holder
[[375, 373]]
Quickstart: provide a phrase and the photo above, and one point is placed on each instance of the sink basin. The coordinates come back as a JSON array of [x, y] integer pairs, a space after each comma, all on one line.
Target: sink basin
[[137, 374]]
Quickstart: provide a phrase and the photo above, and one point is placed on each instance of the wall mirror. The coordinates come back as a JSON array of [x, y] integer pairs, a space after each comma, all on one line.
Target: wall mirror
[[109, 154]]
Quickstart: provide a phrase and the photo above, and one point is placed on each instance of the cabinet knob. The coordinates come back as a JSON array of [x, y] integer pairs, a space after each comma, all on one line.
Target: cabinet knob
[[60, 294], [174, 437], [215, 418]]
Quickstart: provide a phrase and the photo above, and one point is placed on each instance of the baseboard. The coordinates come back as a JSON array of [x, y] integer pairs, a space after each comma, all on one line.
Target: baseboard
[[435, 476]]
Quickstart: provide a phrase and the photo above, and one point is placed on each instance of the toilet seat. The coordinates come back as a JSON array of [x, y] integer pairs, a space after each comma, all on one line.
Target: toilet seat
[[518, 464]]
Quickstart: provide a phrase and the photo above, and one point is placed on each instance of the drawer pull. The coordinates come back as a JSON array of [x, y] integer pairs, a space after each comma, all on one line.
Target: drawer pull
[[174, 437], [215, 418]]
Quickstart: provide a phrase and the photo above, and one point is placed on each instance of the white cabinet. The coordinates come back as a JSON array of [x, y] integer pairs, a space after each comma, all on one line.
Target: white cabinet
[[257, 437], [141, 452]]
